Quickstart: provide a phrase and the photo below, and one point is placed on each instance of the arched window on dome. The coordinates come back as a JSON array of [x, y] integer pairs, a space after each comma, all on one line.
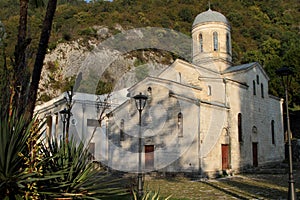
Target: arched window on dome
[[227, 43], [201, 42], [216, 46]]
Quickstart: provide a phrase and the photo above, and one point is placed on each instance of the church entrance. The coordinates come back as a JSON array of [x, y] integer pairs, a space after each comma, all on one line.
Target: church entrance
[[225, 156], [149, 157], [254, 154]]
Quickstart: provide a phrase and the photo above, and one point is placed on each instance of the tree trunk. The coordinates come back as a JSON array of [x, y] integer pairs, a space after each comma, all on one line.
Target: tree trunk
[[20, 80], [39, 61]]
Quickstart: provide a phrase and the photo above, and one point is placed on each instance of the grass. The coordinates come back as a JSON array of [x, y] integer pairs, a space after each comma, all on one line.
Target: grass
[[243, 186], [184, 189], [247, 186]]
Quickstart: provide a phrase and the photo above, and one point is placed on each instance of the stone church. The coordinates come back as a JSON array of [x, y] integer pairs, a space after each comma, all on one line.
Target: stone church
[[205, 117]]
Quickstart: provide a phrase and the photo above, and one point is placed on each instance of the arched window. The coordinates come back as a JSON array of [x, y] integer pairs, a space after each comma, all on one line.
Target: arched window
[[240, 132], [262, 90], [149, 93], [122, 134], [201, 42], [257, 79], [273, 131], [216, 46], [254, 88], [179, 77], [227, 43], [209, 90], [254, 130], [180, 124]]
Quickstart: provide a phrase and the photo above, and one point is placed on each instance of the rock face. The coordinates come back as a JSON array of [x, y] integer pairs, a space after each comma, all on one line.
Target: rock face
[[96, 62]]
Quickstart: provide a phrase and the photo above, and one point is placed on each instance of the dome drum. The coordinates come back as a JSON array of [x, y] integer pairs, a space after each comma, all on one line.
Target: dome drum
[[211, 35]]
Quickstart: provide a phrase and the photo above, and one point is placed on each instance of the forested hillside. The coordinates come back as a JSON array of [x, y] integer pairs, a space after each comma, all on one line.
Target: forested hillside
[[264, 31]]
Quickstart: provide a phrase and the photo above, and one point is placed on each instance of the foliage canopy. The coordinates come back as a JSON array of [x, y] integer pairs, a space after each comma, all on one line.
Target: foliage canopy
[[263, 31]]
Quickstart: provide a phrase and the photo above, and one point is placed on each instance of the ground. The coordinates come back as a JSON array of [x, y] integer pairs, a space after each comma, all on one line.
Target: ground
[[258, 183], [262, 184]]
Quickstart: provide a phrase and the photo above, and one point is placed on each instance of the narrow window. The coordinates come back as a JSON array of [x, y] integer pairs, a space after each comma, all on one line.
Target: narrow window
[[227, 43], [254, 88], [257, 79], [240, 132], [122, 135], [209, 90], [201, 42], [179, 77], [149, 90], [273, 131], [254, 130], [180, 124], [262, 90], [215, 35]]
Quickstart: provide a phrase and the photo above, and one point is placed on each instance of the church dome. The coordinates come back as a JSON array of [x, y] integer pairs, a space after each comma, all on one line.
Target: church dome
[[210, 16]]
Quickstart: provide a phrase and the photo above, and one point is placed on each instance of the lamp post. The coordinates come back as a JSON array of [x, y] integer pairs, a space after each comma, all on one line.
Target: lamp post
[[64, 115], [69, 103], [140, 102], [285, 74]]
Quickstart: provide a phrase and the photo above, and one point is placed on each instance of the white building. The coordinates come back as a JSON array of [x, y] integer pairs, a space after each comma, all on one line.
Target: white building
[[84, 124], [206, 116]]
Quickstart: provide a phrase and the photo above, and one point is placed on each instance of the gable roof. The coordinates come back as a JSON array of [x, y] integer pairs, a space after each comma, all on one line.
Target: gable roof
[[186, 64], [245, 67]]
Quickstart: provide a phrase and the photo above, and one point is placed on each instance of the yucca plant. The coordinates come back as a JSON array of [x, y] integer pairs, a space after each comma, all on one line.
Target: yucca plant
[[15, 179], [68, 172]]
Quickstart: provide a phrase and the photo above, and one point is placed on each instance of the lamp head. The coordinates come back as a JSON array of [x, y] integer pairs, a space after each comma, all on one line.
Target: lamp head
[[63, 113], [140, 101], [284, 71]]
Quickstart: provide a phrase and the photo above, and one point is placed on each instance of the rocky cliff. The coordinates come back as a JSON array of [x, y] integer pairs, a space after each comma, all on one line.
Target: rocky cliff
[[96, 67]]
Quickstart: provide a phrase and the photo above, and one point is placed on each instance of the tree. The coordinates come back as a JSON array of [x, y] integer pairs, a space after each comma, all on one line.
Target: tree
[[38, 65], [4, 81], [24, 91]]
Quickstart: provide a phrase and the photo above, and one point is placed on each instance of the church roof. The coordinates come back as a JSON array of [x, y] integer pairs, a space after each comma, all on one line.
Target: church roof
[[239, 67], [210, 16], [245, 67]]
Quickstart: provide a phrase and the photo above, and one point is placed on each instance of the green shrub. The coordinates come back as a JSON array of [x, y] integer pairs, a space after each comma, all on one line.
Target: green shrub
[[68, 172]]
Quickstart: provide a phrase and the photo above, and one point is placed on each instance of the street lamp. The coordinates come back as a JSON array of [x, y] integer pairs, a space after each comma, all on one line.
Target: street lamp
[[64, 116], [285, 74], [140, 102]]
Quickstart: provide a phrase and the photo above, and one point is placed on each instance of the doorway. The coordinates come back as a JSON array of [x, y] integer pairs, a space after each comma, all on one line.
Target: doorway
[[149, 157], [225, 156], [254, 154]]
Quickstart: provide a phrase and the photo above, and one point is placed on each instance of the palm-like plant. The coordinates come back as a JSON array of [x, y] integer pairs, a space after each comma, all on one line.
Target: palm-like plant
[[15, 132], [33, 170], [69, 173]]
